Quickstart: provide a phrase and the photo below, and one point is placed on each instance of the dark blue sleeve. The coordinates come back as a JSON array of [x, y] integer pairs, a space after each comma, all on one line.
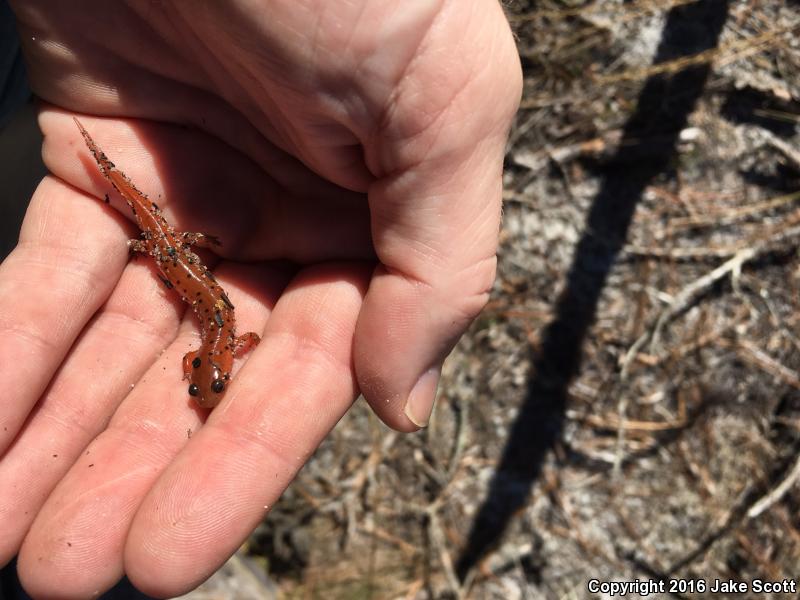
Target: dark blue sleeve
[[14, 90]]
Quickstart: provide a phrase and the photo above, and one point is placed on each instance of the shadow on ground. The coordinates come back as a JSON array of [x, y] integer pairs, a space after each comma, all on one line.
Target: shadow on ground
[[663, 109]]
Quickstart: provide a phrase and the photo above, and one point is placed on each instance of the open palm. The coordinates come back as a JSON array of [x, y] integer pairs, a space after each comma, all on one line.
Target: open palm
[[347, 155]]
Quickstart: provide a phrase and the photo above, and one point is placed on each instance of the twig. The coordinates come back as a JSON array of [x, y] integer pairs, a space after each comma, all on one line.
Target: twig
[[756, 355], [730, 216], [437, 541], [460, 442], [776, 493], [681, 253], [685, 298], [619, 449], [784, 148], [689, 294], [613, 422], [381, 534]]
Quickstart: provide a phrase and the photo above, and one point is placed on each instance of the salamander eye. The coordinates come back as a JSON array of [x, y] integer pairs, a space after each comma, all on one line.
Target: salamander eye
[[217, 386], [196, 362], [194, 390]]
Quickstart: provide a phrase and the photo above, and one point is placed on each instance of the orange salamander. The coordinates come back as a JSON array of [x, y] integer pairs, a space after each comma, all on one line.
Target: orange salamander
[[208, 368]]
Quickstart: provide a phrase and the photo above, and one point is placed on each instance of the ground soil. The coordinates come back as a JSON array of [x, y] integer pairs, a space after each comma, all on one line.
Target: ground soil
[[628, 405]]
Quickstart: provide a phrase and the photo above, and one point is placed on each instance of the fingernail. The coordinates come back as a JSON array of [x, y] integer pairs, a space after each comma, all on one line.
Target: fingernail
[[420, 401]]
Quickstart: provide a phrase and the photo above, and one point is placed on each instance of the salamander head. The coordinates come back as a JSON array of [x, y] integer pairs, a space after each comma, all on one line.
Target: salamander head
[[208, 383]]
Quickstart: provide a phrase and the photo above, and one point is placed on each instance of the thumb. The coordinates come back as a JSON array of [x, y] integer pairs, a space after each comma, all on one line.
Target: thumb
[[435, 218]]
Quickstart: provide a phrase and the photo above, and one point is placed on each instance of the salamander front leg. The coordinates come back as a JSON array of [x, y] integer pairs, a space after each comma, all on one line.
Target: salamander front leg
[[188, 360], [204, 240], [135, 246]]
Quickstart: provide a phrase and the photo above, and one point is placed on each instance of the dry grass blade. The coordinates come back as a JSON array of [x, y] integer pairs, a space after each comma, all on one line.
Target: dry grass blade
[[630, 10], [725, 54]]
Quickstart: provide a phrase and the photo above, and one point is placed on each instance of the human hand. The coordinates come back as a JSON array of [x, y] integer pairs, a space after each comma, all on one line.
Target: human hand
[[329, 135]]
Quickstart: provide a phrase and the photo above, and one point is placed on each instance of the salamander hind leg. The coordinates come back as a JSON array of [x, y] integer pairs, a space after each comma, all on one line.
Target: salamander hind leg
[[204, 240], [245, 343], [135, 248]]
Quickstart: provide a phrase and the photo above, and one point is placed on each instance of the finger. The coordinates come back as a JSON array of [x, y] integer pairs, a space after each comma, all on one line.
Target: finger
[[296, 386], [205, 185], [436, 209], [71, 253], [117, 346], [74, 547], [153, 69]]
